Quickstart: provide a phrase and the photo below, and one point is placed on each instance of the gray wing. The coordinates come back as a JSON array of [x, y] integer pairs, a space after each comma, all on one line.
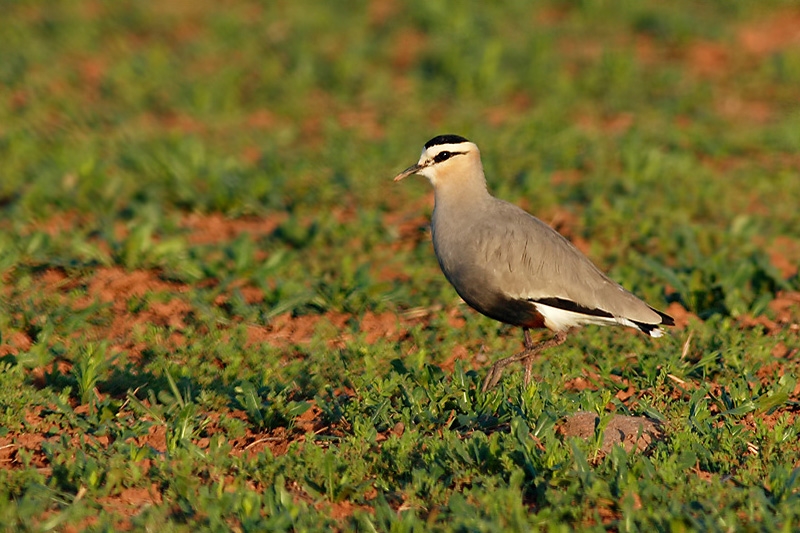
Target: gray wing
[[526, 259]]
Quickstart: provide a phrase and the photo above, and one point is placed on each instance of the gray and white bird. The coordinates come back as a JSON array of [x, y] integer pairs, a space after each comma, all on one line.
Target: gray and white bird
[[511, 266]]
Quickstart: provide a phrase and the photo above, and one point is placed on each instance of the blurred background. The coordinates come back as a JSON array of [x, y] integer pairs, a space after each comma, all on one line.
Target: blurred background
[[218, 312], [673, 129]]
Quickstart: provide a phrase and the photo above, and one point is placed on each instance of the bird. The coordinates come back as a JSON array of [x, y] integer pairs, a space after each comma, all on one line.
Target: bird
[[510, 266]]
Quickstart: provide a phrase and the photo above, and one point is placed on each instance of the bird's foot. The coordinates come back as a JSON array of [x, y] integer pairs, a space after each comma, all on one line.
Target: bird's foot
[[496, 371], [526, 355]]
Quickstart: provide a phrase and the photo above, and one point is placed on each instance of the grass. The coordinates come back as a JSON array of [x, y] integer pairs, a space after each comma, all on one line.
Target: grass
[[218, 313]]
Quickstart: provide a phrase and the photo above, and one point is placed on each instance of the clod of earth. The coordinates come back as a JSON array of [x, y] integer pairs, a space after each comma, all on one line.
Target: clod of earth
[[631, 432]]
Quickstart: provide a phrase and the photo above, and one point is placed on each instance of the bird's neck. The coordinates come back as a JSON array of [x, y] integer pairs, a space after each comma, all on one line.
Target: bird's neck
[[464, 193]]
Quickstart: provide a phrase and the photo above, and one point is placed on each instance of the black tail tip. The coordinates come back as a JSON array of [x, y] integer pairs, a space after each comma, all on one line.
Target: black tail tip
[[653, 329], [665, 318]]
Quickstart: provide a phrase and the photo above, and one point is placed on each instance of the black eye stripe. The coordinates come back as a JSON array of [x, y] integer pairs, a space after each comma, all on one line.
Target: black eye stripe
[[444, 156]]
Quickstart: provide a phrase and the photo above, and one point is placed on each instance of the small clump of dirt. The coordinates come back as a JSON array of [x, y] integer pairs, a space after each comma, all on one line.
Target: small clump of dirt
[[631, 432]]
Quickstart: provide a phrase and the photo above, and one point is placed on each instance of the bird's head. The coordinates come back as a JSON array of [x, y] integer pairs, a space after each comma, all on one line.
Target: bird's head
[[447, 159]]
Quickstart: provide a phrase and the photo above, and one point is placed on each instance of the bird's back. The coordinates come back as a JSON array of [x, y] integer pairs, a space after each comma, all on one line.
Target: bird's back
[[499, 258]]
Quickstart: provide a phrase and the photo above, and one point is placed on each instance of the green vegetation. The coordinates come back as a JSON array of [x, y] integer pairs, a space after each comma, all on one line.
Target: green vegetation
[[217, 312]]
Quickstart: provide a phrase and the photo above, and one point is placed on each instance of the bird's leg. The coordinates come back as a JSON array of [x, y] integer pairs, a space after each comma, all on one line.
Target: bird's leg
[[496, 371], [526, 333], [556, 340], [525, 355]]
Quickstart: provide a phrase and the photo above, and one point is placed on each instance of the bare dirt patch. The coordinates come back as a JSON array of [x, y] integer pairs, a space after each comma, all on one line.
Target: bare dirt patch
[[777, 32], [17, 341], [609, 124], [130, 501], [785, 308], [412, 227], [366, 121], [286, 329], [116, 287], [216, 228], [509, 110], [708, 58], [784, 254], [681, 315], [753, 42], [631, 432]]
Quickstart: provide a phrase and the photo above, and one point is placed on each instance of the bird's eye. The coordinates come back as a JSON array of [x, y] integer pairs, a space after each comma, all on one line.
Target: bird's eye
[[442, 156]]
